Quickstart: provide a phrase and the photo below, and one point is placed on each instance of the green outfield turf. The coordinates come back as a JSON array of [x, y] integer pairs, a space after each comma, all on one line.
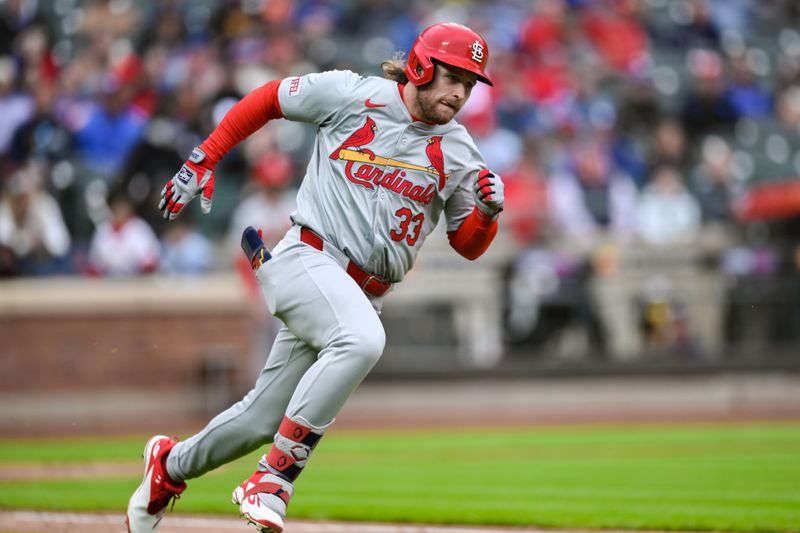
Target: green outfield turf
[[734, 477]]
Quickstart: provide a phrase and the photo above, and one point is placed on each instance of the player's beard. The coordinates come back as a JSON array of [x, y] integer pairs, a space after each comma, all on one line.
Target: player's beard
[[433, 110]]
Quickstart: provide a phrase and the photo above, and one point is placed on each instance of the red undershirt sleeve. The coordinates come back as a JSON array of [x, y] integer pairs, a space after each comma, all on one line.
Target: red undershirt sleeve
[[244, 118], [474, 235]]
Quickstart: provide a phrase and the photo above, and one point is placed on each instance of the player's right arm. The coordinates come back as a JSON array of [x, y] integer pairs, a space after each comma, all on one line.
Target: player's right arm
[[196, 176], [314, 98]]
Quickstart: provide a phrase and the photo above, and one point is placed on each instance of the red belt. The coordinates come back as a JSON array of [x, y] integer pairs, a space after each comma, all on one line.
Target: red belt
[[370, 284]]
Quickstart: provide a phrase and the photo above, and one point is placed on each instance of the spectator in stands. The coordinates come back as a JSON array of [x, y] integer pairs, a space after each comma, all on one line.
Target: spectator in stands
[[43, 137], [546, 80], [668, 147], [79, 82], [788, 107], [700, 29], [15, 16], [638, 110], [123, 245], [707, 107], [593, 211], [154, 157], [35, 56], [732, 15], [714, 183], [104, 21], [526, 198], [590, 197], [667, 213], [546, 294], [545, 28], [589, 107], [16, 107], [617, 34], [9, 266], [747, 95], [639, 107], [32, 230], [185, 251], [503, 147], [268, 201], [107, 130], [787, 65]]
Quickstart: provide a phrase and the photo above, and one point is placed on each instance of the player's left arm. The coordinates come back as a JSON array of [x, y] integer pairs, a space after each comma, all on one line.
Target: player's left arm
[[477, 231]]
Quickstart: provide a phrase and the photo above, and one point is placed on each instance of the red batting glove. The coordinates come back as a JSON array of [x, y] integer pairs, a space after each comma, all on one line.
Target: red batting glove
[[489, 193], [196, 176]]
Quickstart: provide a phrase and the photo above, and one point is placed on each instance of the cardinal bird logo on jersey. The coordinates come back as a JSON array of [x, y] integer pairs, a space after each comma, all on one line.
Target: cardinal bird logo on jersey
[[361, 137], [434, 152]]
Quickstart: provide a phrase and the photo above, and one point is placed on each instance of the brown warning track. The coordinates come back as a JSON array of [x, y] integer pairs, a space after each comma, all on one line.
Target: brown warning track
[[49, 522]]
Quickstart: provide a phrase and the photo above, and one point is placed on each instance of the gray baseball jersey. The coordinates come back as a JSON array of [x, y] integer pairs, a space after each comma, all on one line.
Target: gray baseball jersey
[[378, 180]]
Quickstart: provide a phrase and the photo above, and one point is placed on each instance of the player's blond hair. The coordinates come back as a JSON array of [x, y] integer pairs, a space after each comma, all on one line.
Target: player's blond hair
[[395, 68]]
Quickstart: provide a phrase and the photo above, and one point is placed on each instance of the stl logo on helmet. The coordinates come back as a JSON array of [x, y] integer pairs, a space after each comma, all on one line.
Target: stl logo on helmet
[[477, 51]]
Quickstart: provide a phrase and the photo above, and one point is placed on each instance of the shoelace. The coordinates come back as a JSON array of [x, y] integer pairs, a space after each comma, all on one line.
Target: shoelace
[[174, 498], [165, 500]]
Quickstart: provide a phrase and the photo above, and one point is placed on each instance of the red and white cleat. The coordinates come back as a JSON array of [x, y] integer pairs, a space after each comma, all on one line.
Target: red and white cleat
[[149, 502], [262, 501]]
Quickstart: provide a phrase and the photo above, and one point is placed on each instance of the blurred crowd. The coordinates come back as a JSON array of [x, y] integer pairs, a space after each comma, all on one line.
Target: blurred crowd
[[623, 121]]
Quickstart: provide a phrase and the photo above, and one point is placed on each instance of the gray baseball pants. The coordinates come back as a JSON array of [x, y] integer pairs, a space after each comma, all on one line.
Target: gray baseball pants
[[330, 340]]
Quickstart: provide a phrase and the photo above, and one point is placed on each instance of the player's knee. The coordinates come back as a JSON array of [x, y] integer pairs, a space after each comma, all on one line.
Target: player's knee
[[368, 344]]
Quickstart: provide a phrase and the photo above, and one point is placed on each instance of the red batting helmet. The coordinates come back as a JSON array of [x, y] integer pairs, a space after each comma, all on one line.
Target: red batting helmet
[[451, 44]]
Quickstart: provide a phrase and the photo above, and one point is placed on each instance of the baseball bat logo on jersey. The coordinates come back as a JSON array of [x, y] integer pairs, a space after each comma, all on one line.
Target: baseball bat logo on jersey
[[370, 174]]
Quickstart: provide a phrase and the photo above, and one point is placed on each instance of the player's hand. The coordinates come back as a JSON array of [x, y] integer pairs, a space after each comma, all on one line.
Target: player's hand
[[488, 191], [196, 176]]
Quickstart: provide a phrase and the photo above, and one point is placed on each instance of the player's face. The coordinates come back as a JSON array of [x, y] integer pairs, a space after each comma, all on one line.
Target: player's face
[[442, 98]]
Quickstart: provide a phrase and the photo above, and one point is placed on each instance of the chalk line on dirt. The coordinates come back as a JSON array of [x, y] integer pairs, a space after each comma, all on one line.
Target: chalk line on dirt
[[52, 522]]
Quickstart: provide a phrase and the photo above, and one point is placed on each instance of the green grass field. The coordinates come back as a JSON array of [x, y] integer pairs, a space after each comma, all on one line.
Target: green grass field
[[724, 477]]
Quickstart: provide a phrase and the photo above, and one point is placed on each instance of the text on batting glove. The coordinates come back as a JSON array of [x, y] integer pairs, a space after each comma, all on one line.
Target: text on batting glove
[[489, 194], [196, 176]]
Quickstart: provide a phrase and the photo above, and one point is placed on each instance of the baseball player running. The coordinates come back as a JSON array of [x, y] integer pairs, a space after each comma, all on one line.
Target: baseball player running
[[388, 160]]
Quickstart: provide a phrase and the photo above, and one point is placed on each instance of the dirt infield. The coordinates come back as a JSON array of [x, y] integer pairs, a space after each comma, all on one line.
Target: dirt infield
[[34, 522]]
